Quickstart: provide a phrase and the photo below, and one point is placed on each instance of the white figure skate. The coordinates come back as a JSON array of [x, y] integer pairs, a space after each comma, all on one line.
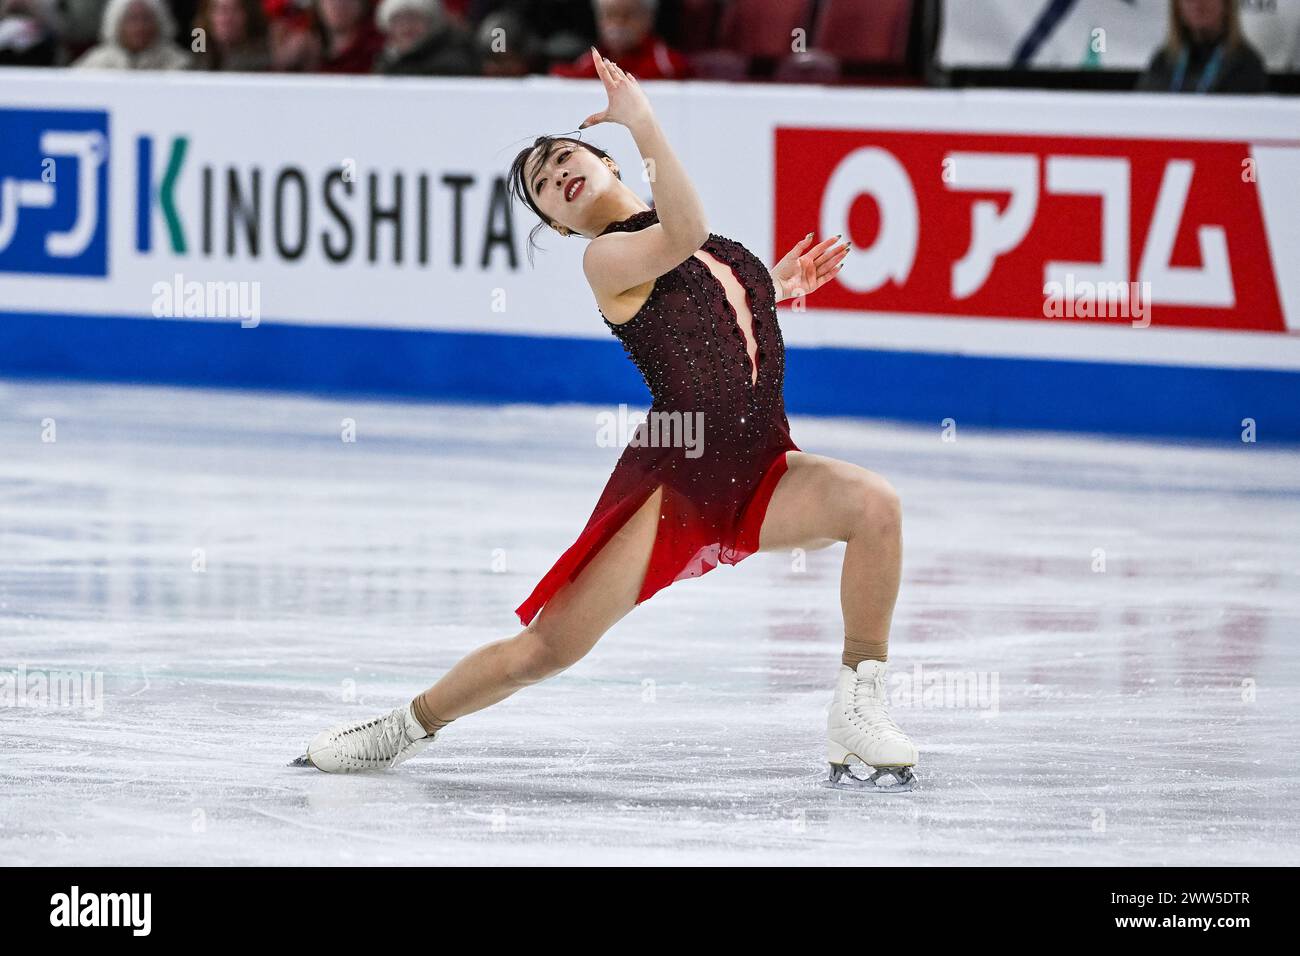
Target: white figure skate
[[858, 725], [375, 744]]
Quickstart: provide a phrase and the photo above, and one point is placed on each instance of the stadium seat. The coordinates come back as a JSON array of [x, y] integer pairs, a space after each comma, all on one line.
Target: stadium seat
[[697, 25], [762, 29], [720, 65], [865, 32]]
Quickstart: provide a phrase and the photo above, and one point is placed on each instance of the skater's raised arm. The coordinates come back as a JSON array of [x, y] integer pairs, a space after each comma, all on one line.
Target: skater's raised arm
[[622, 261]]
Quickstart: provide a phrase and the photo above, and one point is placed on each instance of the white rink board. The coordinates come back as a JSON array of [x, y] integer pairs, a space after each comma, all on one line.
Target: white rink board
[[469, 129]]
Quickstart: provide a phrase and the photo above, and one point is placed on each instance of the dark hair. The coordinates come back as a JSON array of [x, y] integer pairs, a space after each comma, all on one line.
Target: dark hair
[[517, 178], [255, 27], [1179, 36]]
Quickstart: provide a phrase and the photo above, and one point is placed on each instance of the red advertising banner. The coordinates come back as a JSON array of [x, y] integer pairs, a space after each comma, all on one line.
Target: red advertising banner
[[1159, 232]]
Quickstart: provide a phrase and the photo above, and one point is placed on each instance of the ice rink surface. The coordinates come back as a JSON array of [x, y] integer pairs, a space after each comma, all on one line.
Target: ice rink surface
[[1095, 646]]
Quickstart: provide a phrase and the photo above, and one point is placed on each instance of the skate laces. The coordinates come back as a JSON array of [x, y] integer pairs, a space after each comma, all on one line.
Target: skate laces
[[869, 712], [380, 745]]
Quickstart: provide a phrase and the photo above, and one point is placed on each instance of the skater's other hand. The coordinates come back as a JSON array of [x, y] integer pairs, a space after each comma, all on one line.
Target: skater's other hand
[[806, 268], [628, 104]]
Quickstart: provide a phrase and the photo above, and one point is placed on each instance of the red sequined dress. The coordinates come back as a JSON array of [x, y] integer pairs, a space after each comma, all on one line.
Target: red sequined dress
[[692, 352]]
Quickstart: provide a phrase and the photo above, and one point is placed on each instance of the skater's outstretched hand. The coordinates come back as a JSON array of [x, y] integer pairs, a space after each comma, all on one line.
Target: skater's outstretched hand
[[806, 268], [628, 104]]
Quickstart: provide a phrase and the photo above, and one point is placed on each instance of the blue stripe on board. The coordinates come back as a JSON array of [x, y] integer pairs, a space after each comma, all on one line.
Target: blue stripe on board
[[143, 193], [981, 391]]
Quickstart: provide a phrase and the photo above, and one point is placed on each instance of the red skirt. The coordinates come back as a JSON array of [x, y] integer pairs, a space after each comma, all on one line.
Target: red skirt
[[706, 517]]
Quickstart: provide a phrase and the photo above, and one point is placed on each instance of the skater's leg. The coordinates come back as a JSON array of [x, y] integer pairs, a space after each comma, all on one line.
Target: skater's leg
[[817, 502], [567, 627], [820, 501]]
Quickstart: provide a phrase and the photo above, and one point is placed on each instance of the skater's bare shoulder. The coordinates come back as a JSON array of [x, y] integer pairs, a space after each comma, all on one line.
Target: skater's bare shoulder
[[621, 267]]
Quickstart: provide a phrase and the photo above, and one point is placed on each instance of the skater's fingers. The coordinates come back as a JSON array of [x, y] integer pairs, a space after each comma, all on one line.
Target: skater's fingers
[[614, 75], [832, 256], [831, 265], [825, 244], [602, 70]]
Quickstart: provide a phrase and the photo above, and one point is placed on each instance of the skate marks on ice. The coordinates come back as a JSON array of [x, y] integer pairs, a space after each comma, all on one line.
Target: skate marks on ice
[[236, 578]]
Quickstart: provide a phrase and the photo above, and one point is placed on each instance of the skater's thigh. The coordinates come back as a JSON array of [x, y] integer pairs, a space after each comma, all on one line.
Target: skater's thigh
[[607, 588], [819, 501]]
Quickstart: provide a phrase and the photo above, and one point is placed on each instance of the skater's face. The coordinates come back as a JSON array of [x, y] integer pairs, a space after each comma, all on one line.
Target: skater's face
[[567, 181]]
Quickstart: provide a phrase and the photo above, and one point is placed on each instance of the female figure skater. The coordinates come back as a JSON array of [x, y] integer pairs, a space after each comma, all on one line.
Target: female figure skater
[[696, 312]]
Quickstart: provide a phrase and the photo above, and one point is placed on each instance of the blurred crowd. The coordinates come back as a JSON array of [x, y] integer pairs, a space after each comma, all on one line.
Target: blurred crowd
[[653, 39], [412, 37]]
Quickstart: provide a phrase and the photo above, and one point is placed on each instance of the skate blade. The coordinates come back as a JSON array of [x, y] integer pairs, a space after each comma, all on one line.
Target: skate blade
[[902, 780]]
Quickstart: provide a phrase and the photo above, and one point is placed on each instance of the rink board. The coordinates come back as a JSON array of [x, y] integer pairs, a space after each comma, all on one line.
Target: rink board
[[1098, 397], [366, 221]]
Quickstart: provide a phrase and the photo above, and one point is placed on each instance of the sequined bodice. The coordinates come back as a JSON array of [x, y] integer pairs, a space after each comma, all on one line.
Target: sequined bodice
[[718, 448], [686, 340]]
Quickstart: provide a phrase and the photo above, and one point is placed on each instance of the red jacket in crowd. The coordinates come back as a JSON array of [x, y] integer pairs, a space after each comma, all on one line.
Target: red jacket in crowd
[[651, 59], [357, 57]]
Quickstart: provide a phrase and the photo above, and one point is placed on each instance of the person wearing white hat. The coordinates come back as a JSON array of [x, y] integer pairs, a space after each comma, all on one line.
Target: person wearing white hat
[[421, 40], [135, 35]]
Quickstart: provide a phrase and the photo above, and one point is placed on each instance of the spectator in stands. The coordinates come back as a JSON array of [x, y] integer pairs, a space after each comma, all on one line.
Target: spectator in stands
[[420, 39], [79, 22], [1205, 52], [234, 34], [559, 31], [573, 22], [337, 36], [626, 33], [136, 35], [506, 45], [292, 34], [352, 44], [29, 33]]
